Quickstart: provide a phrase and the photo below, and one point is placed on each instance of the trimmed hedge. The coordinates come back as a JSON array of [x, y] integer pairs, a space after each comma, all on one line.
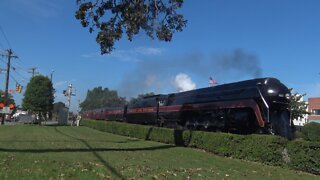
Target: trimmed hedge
[[311, 131], [259, 148], [271, 150], [152, 133], [250, 147], [304, 156]]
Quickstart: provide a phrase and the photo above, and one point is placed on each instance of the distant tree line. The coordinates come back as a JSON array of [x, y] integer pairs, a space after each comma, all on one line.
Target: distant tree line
[[100, 97]]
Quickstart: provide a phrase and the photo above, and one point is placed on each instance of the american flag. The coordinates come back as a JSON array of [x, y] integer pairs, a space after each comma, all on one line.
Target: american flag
[[212, 81]]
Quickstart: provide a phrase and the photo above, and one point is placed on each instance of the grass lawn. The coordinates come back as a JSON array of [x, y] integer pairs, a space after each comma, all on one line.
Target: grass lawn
[[63, 152]]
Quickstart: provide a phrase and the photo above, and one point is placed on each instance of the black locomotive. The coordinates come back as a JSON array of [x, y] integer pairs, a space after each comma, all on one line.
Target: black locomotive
[[251, 106]]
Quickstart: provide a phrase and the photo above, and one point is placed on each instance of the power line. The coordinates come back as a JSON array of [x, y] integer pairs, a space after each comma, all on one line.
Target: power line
[[2, 60], [5, 36], [23, 77], [19, 60], [15, 69], [20, 68], [2, 70], [14, 79], [1, 45]]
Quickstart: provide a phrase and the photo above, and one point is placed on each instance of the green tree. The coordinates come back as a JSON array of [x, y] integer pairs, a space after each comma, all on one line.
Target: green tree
[[140, 96], [99, 98], [156, 17], [38, 97], [297, 106]]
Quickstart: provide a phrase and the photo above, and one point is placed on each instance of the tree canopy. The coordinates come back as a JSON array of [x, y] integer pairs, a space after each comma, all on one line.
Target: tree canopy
[[38, 96], [140, 96], [99, 98], [297, 106], [111, 18]]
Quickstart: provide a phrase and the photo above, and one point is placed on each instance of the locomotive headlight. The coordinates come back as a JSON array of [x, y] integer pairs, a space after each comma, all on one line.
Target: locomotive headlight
[[271, 91], [287, 95]]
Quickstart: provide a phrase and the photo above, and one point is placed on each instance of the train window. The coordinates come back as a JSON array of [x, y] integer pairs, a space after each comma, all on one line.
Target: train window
[[161, 102]]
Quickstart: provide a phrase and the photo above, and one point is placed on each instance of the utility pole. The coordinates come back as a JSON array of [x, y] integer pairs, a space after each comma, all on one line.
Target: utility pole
[[9, 55], [68, 93], [33, 71]]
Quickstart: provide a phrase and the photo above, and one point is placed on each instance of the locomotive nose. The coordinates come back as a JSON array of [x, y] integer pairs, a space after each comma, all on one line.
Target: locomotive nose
[[274, 88], [279, 92]]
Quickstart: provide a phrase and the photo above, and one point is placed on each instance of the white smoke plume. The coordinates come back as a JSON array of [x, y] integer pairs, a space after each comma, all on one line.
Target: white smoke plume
[[183, 82]]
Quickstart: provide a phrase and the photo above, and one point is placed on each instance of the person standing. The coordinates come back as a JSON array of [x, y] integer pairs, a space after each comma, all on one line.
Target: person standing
[[78, 119]]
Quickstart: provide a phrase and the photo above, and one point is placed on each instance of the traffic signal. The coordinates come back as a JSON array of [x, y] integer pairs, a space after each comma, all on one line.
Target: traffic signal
[[19, 88]]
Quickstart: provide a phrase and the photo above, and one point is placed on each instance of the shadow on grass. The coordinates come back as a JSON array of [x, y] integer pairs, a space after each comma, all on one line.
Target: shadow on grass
[[65, 141], [85, 149], [96, 150], [88, 148], [149, 133]]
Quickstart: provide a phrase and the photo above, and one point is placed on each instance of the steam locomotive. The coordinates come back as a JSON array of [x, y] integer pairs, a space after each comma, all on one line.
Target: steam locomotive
[[245, 107]]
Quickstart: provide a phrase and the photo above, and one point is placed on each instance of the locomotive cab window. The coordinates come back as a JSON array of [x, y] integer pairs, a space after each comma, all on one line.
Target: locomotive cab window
[[161, 102]]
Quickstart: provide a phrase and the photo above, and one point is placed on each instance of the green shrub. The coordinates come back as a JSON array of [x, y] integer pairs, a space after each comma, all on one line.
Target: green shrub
[[311, 131], [298, 135], [272, 150], [164, 135], [260, 148], [304, 156], [218, 143]]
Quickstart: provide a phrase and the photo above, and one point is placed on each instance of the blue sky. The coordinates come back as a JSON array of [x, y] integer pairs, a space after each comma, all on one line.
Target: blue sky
[[267, 38]]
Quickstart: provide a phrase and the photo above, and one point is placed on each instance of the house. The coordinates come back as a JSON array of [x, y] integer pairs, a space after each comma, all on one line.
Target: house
[[314, 109]]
